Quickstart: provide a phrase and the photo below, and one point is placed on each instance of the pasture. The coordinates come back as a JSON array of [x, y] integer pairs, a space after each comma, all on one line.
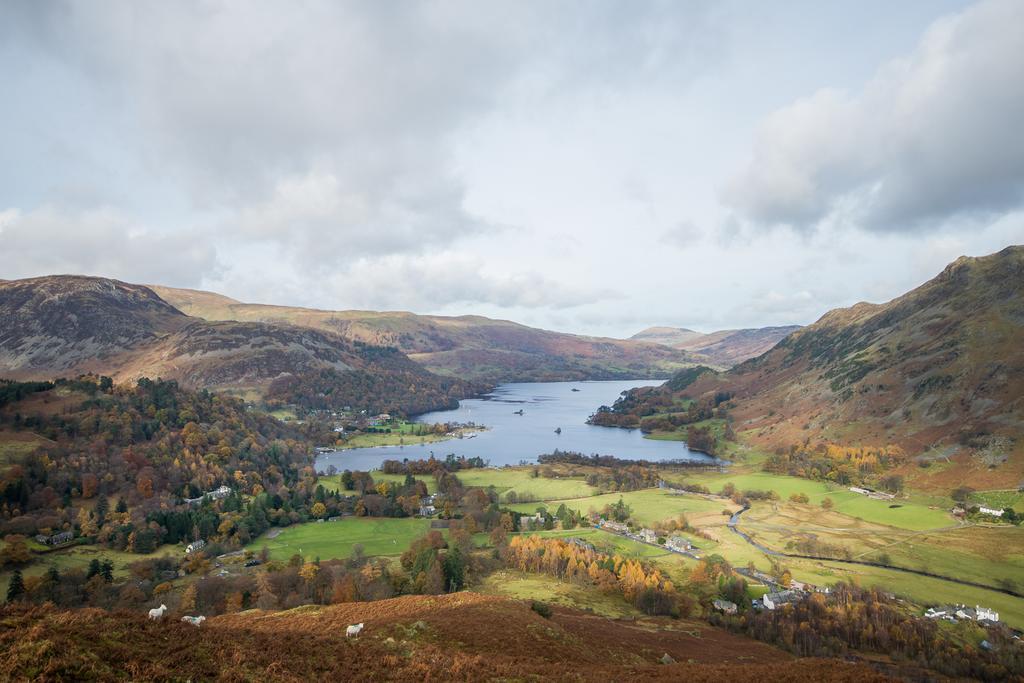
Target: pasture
[[521, 481], [910, 514], [334, 540], [519, 585], [650, 506]]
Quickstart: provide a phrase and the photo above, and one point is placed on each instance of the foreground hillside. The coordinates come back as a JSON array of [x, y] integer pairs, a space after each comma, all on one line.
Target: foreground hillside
[[471, 347], [462, 636], [67, 325], [724, 348], [937, 372]]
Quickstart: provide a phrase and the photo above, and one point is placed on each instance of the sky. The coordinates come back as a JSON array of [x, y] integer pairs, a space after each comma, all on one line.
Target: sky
[[586, 166]]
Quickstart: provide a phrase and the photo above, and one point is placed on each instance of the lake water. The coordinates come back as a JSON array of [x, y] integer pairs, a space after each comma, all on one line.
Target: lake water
[[511, 439]]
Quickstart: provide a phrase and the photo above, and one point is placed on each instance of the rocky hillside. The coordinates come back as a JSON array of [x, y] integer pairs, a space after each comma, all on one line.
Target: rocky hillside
[[471, 347], [936, 370], [724, 348], [67, 325], [457, 637]]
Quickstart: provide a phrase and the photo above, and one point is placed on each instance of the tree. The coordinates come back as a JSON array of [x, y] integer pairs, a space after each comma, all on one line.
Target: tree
[[309, 571], [319, 510], [188, 598], [107, 571], [827, 504], [962, 493], [16, 588], [15, 550], [454, 570], [94, 568]]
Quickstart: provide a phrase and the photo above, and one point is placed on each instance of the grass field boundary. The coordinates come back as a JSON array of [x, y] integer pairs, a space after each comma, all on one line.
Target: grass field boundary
[[734, 525]]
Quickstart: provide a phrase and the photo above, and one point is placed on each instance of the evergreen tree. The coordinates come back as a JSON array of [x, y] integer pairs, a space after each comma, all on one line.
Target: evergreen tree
[[102, 507], [16, 588], [94, 569], [107, 571], [121, 506]]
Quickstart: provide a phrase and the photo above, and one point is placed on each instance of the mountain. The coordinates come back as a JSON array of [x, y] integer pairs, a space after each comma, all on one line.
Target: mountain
[[68, 325], [724, 348], [937, 371], [471, 347], [669, 336]]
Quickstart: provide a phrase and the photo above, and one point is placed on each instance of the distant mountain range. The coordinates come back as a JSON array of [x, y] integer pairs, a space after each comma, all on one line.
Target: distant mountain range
[[938, 370], [471, 347], [724, 348], [65, 325]]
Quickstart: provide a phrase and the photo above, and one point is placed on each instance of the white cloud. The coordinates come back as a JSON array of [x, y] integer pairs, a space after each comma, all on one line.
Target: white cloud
[[102, 242], [932, 136], [445, 279]]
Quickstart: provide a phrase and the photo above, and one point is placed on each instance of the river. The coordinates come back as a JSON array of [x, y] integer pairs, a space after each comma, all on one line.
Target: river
[[511, 439]]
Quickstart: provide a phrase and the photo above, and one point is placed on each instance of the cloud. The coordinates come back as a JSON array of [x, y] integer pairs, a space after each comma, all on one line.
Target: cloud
[[431, 283], [931, 136], [102, 242], [683, 234]]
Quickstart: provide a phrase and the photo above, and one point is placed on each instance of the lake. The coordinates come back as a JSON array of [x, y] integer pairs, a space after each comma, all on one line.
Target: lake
[[511, 439]]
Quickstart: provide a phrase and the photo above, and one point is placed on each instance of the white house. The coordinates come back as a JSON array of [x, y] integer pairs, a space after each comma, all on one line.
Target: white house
[[780, 598], [990, 511], [986, 614], [648, 536], [678, 544], [617, 527]]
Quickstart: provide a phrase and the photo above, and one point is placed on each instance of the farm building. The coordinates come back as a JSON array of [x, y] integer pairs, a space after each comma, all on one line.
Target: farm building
[[990, 511], [56, 539], [648, 536], [780, 598], [725, 606], [617, 527], [427, 510], [678, 544], [195, 546]]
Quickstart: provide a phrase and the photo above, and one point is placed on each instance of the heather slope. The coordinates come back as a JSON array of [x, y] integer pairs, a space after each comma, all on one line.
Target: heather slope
[[66, 325], [941, 366], [471, 347], [462, 636]]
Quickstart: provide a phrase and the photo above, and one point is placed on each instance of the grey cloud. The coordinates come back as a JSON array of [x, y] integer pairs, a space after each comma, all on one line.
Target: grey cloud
[[100, 242], [421, 283], [931, 136]]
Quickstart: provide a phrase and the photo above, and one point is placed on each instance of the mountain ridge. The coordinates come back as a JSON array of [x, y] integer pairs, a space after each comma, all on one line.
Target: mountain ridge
[[473, 347]]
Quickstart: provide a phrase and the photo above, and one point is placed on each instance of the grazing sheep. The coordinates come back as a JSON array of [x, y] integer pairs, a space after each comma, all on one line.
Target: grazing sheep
[[353, 630], [195, 621], [157, 613]]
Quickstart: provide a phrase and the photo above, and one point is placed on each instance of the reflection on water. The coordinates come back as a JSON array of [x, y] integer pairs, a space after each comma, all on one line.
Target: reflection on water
[[512, 438]]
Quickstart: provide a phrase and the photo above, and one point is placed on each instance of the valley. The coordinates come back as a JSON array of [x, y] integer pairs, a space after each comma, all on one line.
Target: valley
[[282, 472]]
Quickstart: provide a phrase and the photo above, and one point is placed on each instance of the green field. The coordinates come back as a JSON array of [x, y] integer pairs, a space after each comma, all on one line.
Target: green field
[[525, 586], [401, 434], [911, 514], [79, 556], [999, 500], [520, 480], [650, 506], [334, 540]]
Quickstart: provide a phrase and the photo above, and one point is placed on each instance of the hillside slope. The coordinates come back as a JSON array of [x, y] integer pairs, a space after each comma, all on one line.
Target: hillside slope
[[937, 370], [471, 347], [66, 325], [724, 348], [461, 636]]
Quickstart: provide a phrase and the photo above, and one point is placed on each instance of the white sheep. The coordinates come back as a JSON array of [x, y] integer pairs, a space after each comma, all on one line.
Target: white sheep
[[195, 621], [157, 613], [353, 630]]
